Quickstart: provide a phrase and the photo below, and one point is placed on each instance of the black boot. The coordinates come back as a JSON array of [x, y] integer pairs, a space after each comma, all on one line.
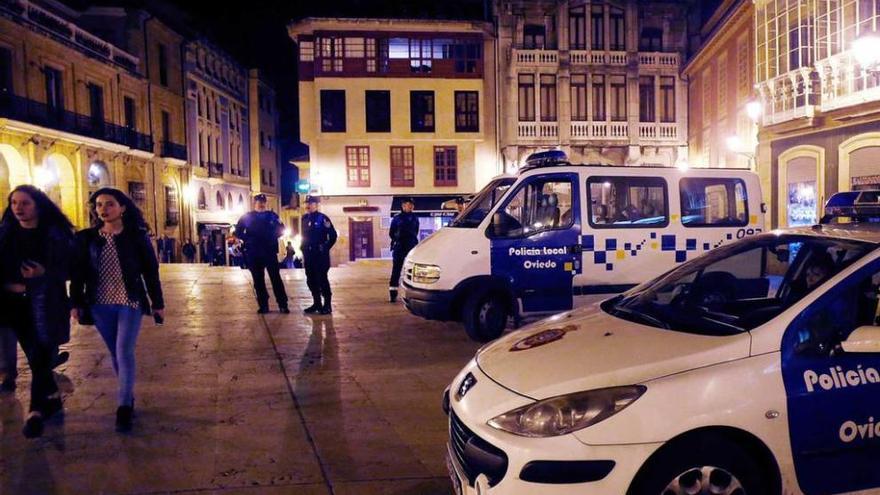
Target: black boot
[[392, 295], [124, 418], [313, 309], [326, 308]]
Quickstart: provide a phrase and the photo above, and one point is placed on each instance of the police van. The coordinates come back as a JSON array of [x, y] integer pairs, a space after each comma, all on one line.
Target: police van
[[753, 369], [554, 235]]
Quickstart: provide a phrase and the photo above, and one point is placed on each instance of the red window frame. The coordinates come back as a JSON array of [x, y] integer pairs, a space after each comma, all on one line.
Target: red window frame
[[402, 166], [357, 160], [445, 166]]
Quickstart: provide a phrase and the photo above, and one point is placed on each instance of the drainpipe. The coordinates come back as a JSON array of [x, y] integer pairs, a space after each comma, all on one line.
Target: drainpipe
[[150, 114]]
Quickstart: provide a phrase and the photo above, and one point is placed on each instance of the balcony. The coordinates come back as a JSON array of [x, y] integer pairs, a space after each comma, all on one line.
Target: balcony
[[538, 130], [37, 113], [69, 32], [659, 60], [215, 170], [589, 57], [658, 131], [536, 58], [584, 131], [842, 83], [173, 150], [790, 96]]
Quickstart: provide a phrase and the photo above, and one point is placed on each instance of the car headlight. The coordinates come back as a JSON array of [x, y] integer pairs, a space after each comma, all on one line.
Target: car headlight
[[425, 274], [567, 413]]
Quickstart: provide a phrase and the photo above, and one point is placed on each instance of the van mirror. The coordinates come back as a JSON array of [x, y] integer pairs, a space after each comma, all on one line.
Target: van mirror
[[864, 339]]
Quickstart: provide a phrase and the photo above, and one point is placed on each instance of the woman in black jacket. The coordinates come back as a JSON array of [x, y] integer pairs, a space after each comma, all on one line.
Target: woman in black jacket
[[36, 246], [117, 282]]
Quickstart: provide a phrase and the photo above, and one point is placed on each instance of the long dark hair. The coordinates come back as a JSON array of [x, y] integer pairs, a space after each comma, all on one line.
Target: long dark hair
[[47, 211], [132, 219]]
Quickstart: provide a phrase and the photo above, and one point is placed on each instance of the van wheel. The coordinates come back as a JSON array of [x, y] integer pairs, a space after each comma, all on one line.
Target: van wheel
[[485, 316], [707, 465]]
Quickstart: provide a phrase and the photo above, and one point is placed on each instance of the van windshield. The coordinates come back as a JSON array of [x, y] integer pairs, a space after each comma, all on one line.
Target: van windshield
[[475, 211], [736, 288]]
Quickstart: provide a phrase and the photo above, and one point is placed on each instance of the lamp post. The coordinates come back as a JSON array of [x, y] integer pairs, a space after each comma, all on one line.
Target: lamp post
[[866, 50]]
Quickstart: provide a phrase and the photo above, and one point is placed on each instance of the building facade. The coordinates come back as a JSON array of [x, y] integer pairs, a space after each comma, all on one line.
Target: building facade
[[721, 84], [821, 111], [218, 142], [71, 113], [265, 154], [394, 108], [597, 79]]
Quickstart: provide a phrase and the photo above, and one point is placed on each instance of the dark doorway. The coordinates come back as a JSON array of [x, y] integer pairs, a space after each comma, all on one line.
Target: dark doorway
[[360, 232]]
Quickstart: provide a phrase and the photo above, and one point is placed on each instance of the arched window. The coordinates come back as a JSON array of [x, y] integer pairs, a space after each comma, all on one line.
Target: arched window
[[240, 200], [219, 199], [229, 202], [203, 199], [98, 176]]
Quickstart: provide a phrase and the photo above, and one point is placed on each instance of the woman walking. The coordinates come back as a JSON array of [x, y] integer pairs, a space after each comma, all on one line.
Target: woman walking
[[36, 247], [117, 283]]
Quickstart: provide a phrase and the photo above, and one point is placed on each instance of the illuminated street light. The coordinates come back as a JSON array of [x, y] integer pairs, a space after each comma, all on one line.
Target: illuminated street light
[[754, 109], [682, 164], [287, 232], [190, 192], [44, 177], [735, 144], [866, 49]]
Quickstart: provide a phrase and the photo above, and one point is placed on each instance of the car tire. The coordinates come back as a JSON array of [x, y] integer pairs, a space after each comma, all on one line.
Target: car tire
[[707, 459], [485, 316]]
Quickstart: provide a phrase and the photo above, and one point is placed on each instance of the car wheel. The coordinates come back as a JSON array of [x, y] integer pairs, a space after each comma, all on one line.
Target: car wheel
[[711, 465], [485, 316]]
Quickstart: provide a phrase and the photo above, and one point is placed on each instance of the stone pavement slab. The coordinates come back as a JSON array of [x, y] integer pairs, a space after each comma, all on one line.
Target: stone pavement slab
[[231, 402]]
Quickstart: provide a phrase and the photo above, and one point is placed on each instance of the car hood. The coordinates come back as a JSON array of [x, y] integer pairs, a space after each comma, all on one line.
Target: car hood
[[439, 246], [588, 349]]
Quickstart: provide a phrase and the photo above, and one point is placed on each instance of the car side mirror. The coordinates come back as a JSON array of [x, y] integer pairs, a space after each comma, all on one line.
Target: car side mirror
[[865, 339]]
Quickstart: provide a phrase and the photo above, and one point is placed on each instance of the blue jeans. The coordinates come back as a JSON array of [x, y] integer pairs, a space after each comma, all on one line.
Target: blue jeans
[[119, 326]]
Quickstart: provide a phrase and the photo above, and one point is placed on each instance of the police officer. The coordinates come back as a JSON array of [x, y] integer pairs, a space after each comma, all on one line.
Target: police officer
[[318, 236], [259, 230], [404, 236]]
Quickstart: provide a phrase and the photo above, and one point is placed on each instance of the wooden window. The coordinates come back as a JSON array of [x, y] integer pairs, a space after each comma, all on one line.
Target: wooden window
[[577, 28], [597, 27], [598, 98], [548, 97], [172, 207], [138, 193], [651, 40], [421, 111], [647, 102], [332, 110], [667, 99], [402, 166], [378, 111], [357, 165], [129, 109], [578, 97], [526, 97], [534, 37], [618, 98], [445, 166], [54, 90], [467, 111], [618, 30]]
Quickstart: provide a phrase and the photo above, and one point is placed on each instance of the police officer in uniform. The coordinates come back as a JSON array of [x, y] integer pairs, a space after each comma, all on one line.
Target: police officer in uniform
[[259, 230], [404, 236], [318, 236]]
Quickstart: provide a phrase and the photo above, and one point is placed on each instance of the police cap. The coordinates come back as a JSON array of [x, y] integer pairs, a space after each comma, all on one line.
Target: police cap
[[260, 197], [313, 199], [407, 199]]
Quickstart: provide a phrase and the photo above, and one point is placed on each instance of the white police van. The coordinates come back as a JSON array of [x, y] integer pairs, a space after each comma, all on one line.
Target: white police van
[[753, 369], [531, 244]]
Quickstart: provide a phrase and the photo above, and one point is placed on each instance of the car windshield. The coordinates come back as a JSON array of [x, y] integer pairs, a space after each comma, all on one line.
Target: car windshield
[[475, 211], [739, 287]]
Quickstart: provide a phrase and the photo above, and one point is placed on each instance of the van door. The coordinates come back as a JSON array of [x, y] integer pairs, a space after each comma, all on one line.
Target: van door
[[535, 241]]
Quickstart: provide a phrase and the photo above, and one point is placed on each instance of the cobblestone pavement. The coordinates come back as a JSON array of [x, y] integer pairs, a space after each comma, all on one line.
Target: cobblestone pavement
[[230, 402]]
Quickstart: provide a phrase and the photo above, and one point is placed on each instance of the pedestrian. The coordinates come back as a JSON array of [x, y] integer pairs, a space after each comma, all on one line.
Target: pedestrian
[[259, 230], [404, 234], [189, 251], [115, 284], [318, 237], [289, 253], [36, 250]]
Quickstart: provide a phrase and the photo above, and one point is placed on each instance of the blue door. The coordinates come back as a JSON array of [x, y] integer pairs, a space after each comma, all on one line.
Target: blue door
[[535, 239], [834, 396]]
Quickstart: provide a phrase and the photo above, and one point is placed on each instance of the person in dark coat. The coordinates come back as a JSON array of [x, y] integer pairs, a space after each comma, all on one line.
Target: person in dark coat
[[115, 283], [259, 230], [404, 236], [36, 249], [189, 251], [318, 237]]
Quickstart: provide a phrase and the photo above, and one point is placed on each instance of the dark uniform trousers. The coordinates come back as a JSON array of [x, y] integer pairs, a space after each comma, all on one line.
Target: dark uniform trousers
[[258, 265], [317, 265], [398, 255]]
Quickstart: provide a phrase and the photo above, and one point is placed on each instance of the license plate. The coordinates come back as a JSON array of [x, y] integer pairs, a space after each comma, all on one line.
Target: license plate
[[453, 475]]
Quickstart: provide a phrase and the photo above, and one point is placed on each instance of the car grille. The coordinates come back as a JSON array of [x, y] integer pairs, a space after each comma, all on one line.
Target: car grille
[[475, 455], [407, 272]]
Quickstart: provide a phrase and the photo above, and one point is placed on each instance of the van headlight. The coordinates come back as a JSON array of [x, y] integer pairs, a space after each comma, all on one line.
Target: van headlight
[[567, 413], [425, 274]]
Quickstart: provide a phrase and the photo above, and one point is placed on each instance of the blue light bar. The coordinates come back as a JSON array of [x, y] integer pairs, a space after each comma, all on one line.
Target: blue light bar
[[860, 206], [545, 158]]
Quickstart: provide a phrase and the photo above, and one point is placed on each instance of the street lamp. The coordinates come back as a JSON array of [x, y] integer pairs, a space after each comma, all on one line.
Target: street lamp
[[44, 177], [754, 109], [735, 145], [866, 49]]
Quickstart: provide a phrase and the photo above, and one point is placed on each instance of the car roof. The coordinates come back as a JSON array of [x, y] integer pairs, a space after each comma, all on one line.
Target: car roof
[[864, 232]]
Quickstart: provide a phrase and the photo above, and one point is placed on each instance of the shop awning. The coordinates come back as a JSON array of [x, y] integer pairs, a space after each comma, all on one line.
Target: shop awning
[[432, 203]]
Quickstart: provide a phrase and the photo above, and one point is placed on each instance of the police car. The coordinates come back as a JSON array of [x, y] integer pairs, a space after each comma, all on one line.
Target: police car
[[558, 234], [753, 369]]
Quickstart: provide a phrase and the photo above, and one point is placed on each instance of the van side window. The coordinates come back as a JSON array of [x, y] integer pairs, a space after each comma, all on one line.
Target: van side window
[[628, 202], [714, 202], [541, 205]]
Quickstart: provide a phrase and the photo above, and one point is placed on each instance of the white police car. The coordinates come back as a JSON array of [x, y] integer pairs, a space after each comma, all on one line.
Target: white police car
[[753, 369]]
